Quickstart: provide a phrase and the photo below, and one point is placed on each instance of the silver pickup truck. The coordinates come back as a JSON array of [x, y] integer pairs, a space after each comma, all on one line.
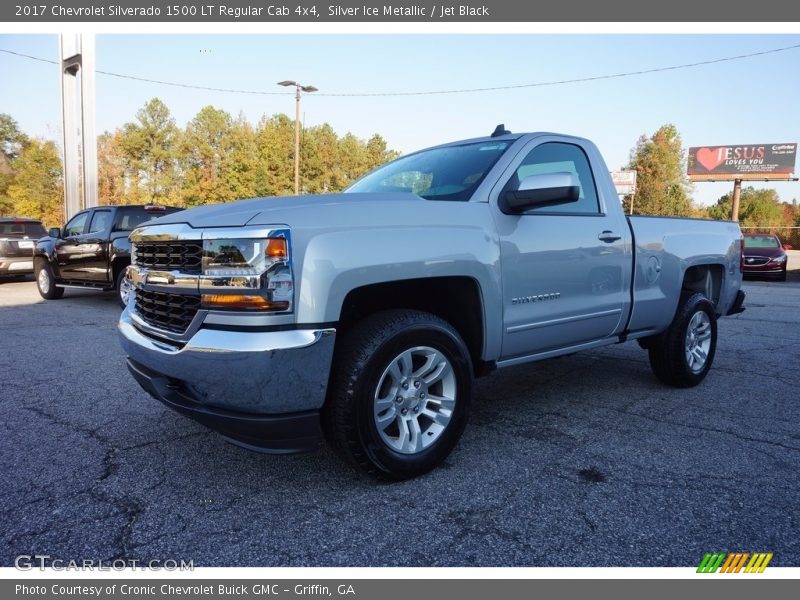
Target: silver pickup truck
[[366, 315]]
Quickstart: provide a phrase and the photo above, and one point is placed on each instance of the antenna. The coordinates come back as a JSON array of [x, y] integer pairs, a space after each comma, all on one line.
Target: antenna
[[500, 130]]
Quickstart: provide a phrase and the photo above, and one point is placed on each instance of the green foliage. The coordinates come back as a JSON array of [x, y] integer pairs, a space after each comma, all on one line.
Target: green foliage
[[12, 140], [148, 149], [219, 159], [216, 158], [37, 189], [661, 184], [761, 210], [757, 208]]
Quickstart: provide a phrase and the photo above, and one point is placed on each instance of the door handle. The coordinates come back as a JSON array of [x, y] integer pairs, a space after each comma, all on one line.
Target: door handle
[[608, 237]]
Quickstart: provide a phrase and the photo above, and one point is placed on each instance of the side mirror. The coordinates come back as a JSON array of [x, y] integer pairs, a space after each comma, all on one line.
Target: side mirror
[[787, 246], [541, 190], [54, 232]]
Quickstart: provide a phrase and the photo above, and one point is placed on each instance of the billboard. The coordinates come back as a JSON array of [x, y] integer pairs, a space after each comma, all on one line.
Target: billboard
[[624, 181], [754, 161]]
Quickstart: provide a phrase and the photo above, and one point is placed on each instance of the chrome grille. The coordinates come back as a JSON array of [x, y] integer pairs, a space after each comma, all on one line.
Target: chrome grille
[[172, 312], [755, 261], [186, 257]]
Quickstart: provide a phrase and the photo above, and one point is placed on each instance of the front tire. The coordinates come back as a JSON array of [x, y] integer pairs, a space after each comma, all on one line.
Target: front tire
[[45, 282], [683, 354], [400, 394], [122, 288]]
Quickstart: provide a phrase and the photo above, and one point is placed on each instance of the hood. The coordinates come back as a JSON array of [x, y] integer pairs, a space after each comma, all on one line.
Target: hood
[[270, 210]]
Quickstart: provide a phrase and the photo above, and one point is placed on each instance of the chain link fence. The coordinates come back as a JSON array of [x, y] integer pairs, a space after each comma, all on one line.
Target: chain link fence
[[787, 235]]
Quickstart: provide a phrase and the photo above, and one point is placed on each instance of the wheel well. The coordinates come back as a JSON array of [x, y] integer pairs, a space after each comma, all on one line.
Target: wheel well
[[457, 300], [116, 266], [706, 279]]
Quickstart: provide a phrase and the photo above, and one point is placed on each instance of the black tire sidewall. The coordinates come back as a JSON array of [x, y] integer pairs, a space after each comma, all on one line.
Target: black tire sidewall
[[41, 265], [117, 285], [389, 461], [676, 340]]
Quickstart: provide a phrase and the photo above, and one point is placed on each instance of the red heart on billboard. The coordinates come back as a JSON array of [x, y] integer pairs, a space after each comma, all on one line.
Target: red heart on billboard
[[710, 159]]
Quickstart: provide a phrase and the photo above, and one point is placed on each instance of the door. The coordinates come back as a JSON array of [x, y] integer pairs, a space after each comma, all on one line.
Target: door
[[69, 250], [95, 246], [566, 267]]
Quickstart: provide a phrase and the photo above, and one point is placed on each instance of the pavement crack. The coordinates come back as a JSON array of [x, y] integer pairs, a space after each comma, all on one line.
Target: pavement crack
[[740, 436], [124, 504]]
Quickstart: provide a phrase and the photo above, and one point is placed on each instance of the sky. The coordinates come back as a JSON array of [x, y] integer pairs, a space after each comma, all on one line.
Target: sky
[[748, 101]]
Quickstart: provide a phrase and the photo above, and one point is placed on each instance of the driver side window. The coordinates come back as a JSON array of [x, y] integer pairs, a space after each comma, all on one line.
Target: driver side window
[[557, 157], [76, 225]]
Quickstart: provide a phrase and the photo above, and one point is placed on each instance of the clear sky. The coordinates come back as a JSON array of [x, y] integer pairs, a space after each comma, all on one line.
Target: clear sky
[[754, 100]]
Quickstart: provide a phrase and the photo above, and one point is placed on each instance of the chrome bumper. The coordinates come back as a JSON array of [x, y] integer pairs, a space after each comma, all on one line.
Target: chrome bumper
[[250, 372]]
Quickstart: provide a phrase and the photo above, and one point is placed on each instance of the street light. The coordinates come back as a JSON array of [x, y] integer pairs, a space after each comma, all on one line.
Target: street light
[[298, 88]]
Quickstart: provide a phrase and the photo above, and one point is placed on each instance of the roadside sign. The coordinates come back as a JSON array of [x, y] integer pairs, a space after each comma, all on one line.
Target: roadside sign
[[624, 181], [754, 161]]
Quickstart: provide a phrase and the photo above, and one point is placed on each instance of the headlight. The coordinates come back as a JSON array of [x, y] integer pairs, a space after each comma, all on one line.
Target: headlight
[[247, 274], [779, 259]]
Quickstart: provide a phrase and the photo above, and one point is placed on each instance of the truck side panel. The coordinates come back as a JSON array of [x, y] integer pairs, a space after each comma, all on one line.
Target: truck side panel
[[666, 248]]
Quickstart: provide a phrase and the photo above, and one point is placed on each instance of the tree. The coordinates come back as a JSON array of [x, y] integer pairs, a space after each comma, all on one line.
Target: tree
[[111, 169], [149, 148], [37, 190], [378, 152], [320, 172], [661, 184], [12, 140], [757, 208], [216, 158], [275, 149], [219, 158]]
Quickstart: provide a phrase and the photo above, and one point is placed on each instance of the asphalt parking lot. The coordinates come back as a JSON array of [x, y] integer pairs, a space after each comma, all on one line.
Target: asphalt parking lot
[[579, 461]]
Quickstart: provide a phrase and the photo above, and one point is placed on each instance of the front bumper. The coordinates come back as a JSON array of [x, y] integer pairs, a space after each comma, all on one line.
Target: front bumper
[[274, 434], [259, 389], [767, 270]]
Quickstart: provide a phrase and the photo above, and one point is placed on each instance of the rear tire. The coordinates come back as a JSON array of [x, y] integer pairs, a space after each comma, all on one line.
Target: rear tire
[[400, 393], [45, 282], [683, 354]]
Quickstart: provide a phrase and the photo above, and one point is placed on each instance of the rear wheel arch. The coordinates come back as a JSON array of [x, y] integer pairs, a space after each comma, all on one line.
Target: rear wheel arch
[[706, 279]]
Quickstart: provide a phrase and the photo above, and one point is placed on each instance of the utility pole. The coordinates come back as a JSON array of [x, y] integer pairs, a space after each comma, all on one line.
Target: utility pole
[[737, 191], [298, 88], [77, 55]]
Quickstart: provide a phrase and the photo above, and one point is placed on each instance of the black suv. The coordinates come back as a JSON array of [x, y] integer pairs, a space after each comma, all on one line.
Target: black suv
[[92, 250], [17, 237]]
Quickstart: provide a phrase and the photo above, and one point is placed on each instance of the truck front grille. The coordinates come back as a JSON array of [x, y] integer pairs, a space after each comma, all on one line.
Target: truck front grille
[[186, 257], [172, 312]]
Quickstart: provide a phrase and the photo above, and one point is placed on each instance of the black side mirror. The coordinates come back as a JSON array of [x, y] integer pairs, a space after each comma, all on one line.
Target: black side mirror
[[54, 232], [541, 190]]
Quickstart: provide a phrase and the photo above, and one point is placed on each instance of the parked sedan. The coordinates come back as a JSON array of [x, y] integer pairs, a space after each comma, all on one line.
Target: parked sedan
[[17, 238], [764, 256]]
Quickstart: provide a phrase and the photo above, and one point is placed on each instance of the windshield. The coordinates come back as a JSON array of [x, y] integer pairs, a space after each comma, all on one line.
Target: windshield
[[760, 241], [448, 173]]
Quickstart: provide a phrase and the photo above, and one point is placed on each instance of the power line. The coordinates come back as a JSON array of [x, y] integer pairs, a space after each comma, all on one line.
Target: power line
[[433, 92]]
